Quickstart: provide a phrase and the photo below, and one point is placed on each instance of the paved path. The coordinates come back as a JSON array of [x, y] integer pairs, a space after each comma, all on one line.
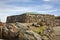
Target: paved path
[[57, 32]]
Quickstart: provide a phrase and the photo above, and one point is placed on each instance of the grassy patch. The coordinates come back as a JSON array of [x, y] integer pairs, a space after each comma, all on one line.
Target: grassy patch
[[40, 29]]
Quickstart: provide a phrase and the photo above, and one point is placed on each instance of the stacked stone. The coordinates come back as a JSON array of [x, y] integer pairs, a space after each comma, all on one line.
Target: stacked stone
[[32, 18], [16, 18]]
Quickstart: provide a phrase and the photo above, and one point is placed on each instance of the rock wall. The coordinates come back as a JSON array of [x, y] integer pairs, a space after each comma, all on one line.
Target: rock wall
[[16, 18], [32, 18]]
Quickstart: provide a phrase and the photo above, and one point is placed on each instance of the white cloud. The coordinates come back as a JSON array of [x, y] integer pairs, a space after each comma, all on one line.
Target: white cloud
[[6, 10], [21, 0], [45, 6], [56, 1], [46, 0], [51, 0], [15, 1]]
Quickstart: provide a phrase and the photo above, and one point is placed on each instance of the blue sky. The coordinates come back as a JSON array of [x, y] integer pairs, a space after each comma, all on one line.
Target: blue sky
[[15, 7]]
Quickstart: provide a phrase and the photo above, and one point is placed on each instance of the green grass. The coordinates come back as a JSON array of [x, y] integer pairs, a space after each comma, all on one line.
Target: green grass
[[32, 13], [40, 29]]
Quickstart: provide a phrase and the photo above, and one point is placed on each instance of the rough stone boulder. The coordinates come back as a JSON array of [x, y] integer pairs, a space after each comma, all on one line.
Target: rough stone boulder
[[17, 31]]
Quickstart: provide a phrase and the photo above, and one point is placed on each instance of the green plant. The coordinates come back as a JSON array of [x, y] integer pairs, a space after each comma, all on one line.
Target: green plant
[[40, 29]]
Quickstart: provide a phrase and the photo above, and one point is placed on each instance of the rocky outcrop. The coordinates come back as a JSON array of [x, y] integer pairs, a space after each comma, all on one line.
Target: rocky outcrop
[[17, 31], [57, 22], [32, 18]]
